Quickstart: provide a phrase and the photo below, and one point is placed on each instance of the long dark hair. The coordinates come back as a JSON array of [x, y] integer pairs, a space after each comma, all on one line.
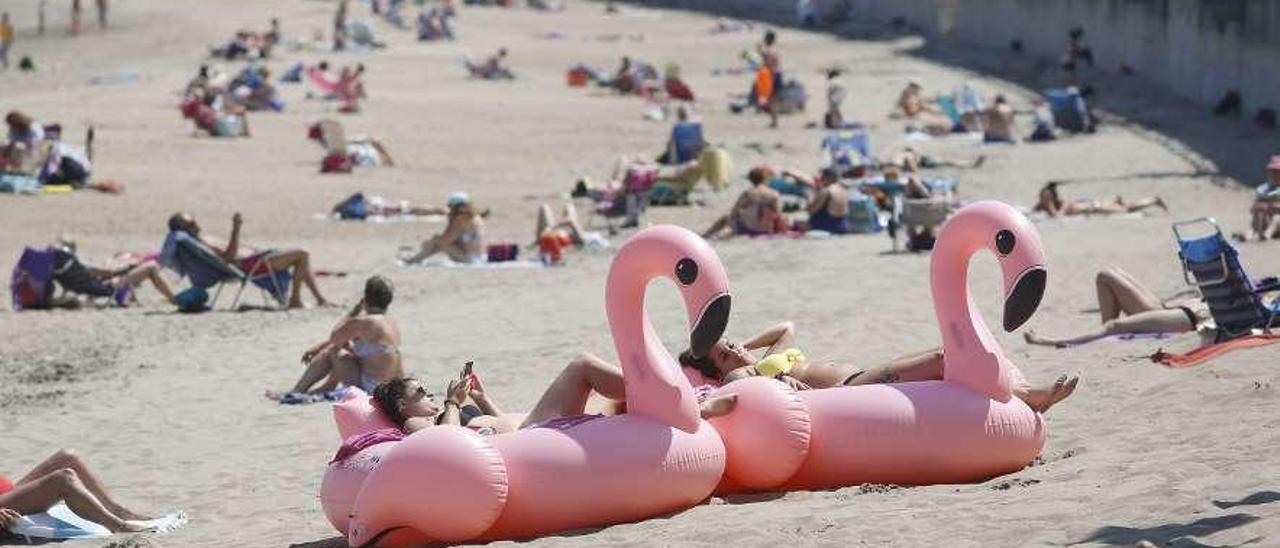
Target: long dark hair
[[1050, 188], [703, 365], [388, 396]]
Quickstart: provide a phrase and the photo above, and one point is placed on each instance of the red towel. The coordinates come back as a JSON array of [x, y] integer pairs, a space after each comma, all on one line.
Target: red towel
[[1210, 351]]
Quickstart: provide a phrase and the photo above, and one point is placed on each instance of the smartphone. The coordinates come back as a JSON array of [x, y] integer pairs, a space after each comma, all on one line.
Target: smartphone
[[466, 369]]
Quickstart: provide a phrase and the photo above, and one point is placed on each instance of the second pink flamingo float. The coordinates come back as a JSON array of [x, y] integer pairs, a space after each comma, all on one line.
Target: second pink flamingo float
[[967, 427]]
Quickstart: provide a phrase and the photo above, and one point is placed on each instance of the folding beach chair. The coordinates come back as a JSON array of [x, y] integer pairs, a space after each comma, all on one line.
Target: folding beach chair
[[194, 260], [847, 148], [687, 142], [907, 213], [1212, 264]]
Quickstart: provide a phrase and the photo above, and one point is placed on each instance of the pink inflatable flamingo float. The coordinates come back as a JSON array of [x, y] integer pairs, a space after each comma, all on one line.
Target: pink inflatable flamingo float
[[450, 484], [967, 427]]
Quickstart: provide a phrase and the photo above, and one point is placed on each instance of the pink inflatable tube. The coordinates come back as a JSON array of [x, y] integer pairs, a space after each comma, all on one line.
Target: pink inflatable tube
[[965, 428], [450, 484]]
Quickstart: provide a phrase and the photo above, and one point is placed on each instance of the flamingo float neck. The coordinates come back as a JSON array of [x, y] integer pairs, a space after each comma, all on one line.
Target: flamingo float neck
[[655, 386], [973, 357]]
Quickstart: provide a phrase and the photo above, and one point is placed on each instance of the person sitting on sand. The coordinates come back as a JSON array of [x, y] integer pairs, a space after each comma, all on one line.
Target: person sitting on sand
[[998, 122], [756, 212], [22, 146], [728, 361], [555, 234], [1264, 214], [836, 94], [65, 477], [1052, 204], [911, 102], [119, 283], [246, 257], [350, 90], [463, 238], [493, 68], [829, 206], [362, 350], [1127, 307], [433, 24]]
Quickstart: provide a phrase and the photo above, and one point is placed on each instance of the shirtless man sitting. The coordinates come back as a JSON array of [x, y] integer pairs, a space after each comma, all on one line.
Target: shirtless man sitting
[[756, 212]]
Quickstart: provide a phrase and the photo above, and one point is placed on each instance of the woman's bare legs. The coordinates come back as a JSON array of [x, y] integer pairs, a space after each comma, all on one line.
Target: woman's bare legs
[[922, 366], [332, 366], [716, 228], [66, 458], [300, 261], [568, 393], [453, 249], [1119, 293], [1142, 204], [928, 365], [586, 374], [545, 220], [1171, 320], [569, 220], [64, 484], [151, 271]]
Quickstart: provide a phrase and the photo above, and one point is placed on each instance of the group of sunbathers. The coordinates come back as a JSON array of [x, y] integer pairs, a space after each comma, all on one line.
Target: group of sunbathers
[[38, 152]]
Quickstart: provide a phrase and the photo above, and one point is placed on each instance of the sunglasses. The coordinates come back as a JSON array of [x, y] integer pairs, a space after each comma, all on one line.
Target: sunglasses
[[422, 393]]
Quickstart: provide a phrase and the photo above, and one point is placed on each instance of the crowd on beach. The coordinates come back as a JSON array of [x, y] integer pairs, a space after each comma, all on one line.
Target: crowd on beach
[[848, 191]]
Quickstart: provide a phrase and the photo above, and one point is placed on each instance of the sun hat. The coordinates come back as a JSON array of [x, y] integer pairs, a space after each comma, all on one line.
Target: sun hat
[[458, 198]]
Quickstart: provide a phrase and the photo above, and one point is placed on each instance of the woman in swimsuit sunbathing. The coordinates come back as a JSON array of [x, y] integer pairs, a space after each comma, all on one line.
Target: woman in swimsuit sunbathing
[[363, 350], [463, 238], [1128, 307], [1050, 203], [588, 386], [729, 361], [756, 212], [65, 477]]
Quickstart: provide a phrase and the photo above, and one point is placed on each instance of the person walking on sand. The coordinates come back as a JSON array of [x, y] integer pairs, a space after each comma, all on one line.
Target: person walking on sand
[[340, 26], [6, 39], [102, 13], [76, 11]]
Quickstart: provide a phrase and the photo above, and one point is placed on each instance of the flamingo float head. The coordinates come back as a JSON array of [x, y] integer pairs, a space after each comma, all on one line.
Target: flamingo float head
[[655, 386], [974, 358]]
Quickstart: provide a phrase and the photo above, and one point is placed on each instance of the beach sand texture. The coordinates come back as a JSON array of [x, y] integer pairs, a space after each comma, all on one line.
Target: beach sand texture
[[169, 407]]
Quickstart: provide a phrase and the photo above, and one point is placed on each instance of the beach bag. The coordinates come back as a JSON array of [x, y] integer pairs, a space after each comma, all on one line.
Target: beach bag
[[503, 252], [31, 285], [192, 299], [863, 216], [577, 78], [354, 207], [336, 162]]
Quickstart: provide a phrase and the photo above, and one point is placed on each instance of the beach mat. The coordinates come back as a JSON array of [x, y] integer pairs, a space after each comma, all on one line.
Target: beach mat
[[441, 262], [1210, 351]]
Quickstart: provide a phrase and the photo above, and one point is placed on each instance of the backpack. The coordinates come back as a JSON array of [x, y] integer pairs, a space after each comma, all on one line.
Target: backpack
[[354, 207], [337, 162]]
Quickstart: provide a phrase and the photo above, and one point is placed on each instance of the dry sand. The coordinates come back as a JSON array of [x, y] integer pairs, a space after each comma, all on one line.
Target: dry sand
[[169, 407]]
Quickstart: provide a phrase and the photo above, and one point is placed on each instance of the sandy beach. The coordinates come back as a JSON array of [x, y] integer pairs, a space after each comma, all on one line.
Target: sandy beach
[[170, 407]]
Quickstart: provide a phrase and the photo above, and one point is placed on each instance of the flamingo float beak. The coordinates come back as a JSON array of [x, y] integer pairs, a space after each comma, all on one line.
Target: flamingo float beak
[[1025, 297], [710, 325]]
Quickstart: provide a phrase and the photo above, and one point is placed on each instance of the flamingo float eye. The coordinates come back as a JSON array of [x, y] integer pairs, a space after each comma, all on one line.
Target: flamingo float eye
[[1005, 242], [687, 271]]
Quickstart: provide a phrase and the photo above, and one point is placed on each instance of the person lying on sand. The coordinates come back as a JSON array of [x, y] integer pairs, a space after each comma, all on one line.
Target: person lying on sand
[[362, 350], [554, 234], [756, 212], [912, 161], [493, 68], [1128, 307], [1052, 204], [463, 238], [925, 116], [245, 256], [1264, 214], [64, 477], [728, 361]]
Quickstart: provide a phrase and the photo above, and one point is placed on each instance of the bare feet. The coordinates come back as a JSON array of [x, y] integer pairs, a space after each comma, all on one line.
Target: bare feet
[[1160, 203], [718, 406], [1031, 338], [1041, 399]]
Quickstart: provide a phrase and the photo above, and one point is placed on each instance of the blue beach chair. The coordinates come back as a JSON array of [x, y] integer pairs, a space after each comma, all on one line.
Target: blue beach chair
[[1212, 264], [192, 259]]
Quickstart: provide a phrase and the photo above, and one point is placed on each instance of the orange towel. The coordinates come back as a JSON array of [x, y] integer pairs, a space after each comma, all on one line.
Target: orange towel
[[764, 85], [1210, 351]]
